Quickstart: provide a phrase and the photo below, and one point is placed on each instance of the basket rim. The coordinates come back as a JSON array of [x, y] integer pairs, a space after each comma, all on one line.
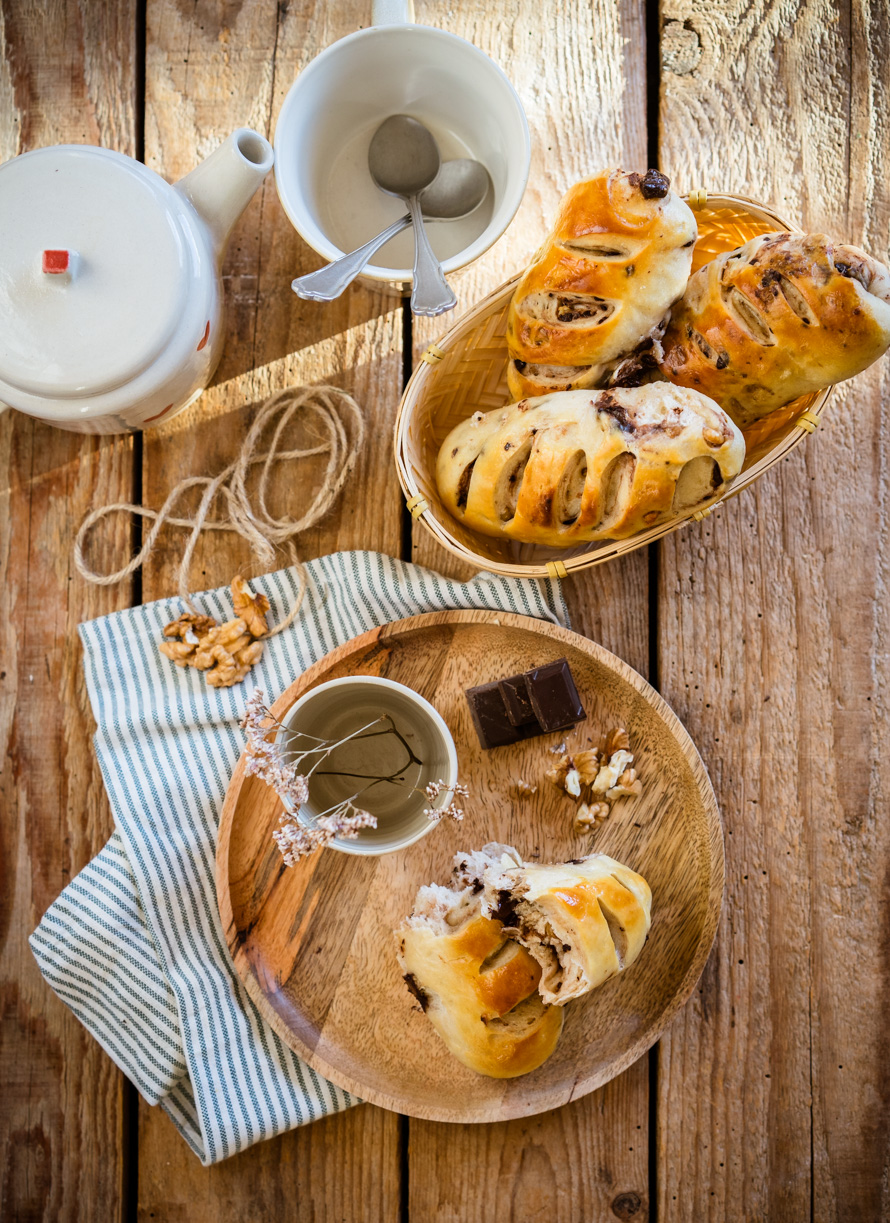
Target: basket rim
[[585, 560]]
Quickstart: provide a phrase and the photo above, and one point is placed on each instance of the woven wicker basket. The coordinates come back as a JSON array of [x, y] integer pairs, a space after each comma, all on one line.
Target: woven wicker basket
[[466, 372]]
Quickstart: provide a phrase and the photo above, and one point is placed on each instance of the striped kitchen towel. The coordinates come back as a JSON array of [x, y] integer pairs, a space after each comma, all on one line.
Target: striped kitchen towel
[[134, 944]]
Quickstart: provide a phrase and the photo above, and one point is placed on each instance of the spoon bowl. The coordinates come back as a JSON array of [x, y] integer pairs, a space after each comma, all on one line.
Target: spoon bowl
[[457, 190], [403, 157]]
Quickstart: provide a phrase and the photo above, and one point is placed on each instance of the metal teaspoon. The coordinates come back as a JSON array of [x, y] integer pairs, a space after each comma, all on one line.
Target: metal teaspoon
[[403, 159], [457, 190]]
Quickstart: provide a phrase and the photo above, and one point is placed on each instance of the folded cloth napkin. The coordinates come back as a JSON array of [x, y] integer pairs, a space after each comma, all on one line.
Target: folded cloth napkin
[[134, 944]]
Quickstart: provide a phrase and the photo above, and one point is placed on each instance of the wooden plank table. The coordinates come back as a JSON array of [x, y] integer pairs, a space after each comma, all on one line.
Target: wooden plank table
[[765, 627]]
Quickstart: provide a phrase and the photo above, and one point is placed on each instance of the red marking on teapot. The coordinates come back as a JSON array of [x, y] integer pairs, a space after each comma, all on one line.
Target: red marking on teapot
[[56, 262], [206, 336]]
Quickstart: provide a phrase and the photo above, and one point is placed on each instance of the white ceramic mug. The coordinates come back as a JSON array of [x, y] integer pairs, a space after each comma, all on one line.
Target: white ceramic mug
[[336, 104], [341, 707]]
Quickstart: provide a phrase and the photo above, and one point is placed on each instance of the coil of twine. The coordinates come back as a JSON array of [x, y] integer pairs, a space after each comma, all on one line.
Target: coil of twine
[[332, 415]]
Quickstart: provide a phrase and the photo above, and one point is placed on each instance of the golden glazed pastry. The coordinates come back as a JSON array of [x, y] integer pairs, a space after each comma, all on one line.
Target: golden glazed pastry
[[579, 466], [619, 254], [477, 988], [784, 315], [583, 922]]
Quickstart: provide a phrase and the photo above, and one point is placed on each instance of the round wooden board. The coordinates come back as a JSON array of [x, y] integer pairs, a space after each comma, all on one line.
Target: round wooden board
[[314, 944]]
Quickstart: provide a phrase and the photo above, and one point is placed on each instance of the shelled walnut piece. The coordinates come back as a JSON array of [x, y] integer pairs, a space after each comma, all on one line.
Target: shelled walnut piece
[[225, 652], [597, 777]]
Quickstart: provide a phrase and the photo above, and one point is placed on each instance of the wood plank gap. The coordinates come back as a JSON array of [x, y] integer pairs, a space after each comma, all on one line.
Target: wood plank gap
[[653, 79], [407, 549], [653, 1134], [653, 104], [136, 521], [406, 552], [136, 525], [130, 1152], [407, 543], [404, 1135], [139, 82], [130, 1096]]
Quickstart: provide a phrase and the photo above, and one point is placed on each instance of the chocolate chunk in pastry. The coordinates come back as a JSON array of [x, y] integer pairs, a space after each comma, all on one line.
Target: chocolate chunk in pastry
[[782, 316], [619, 254]]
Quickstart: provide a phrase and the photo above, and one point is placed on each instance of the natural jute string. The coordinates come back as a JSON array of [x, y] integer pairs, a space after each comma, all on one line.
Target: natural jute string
[[341, 437]]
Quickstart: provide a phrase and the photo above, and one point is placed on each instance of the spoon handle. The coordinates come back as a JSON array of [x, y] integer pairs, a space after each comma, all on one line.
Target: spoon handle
[[431, 293], [330, 281]]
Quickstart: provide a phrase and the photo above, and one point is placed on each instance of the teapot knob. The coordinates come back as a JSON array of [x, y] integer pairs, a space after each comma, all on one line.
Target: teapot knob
[[57, 263]]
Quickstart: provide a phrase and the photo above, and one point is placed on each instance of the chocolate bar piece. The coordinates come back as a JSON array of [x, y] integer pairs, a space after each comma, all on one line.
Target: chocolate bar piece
[[489, 714], [554, 697], [514, 690], [537, 702]]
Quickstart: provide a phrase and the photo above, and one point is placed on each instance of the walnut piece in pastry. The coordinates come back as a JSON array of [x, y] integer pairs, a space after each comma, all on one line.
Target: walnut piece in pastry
[[583, 922], [618, 255], [477, 987], [580, 466], [784, 315]]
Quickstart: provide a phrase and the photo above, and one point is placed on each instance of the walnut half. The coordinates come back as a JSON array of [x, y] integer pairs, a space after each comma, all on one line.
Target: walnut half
[[250, 608]]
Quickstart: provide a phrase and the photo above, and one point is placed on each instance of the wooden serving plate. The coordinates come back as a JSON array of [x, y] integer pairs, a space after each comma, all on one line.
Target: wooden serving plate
[[314, 943]]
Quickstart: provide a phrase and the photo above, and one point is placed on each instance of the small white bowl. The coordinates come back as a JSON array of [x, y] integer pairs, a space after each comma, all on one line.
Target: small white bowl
[[339, 708]]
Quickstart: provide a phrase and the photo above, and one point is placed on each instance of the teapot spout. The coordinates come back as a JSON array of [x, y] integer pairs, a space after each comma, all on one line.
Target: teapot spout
[[222, 186]]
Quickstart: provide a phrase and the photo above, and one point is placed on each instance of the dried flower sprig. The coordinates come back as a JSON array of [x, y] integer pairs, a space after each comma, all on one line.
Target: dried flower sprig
[[288, 771], [296, 841], [434, 789]]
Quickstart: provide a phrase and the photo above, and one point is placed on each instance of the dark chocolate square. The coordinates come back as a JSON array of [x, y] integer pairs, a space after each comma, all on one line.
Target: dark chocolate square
[[514, 690], [489, 715], [554, 697]]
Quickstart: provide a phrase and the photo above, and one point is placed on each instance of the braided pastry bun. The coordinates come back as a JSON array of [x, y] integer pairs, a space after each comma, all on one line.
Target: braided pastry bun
[[478, 989], [582, 922], [784, 315], [579, 466], [618, 256]]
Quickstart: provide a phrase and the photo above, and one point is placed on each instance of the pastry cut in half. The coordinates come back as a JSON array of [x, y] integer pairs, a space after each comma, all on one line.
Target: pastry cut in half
[[582, 922], [580, 466], [619, 254], [478, 988]]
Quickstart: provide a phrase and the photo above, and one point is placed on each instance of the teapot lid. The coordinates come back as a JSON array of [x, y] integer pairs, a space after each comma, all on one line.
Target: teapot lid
[[95, 270]]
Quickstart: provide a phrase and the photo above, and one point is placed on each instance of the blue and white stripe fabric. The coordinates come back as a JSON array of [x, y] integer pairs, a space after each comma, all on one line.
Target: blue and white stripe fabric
[[134, 944]]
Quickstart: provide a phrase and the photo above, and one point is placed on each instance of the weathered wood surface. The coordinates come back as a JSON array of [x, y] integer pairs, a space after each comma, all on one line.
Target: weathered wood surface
[[208, 71], [774, 1098], [63, 1104]]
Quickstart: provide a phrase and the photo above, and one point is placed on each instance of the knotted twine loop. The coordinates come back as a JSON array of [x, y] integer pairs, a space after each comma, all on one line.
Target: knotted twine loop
[[341, 438]]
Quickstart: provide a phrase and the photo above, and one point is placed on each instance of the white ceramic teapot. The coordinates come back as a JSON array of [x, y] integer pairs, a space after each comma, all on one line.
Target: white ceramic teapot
[[110, 288]]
